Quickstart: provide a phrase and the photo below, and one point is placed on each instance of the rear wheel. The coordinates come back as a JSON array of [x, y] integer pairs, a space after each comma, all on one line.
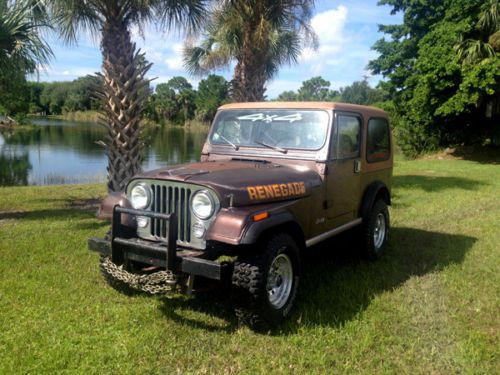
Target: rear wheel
[[264, 286], [376, 230]]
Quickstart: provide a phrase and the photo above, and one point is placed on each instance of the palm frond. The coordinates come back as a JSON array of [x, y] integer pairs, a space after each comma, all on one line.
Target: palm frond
[[187, 14], [470, 51], [489, 21], [21, 47]]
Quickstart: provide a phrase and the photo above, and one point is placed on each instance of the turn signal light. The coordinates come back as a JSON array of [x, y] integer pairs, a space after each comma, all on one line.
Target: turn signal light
[[261, 216]]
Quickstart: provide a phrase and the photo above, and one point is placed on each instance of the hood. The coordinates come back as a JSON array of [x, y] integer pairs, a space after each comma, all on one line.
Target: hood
[[243, 181]]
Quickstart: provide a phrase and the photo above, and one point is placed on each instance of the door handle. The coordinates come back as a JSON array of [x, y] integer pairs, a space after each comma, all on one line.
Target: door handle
[[357, 166]]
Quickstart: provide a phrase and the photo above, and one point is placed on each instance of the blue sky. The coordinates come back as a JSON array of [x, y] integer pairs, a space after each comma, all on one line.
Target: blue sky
[[346, 29]]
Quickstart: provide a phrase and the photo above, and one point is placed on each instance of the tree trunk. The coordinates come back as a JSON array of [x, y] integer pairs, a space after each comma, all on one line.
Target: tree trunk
[[123, 73], [248, 84]]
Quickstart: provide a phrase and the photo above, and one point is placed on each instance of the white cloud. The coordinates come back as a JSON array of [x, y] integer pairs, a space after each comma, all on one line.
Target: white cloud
[[329, 26], [174, 63]]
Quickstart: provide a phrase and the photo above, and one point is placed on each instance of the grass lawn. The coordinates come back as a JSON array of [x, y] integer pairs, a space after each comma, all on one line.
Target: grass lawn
[[431, 305]]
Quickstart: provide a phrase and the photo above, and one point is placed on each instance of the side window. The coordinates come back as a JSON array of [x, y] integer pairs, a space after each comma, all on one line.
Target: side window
[[348, 140], [377, 144]]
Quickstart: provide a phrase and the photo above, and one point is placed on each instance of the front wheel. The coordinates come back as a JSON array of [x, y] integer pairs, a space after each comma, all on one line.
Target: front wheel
[[376, 230], [264, 286]]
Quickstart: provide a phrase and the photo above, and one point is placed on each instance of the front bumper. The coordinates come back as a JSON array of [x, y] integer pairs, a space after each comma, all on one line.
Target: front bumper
[[123, 245]]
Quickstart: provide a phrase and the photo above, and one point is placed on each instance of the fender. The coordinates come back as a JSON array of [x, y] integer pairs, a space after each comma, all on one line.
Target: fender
[[376, 188], [255, 229], [235, 227], [105, 211]]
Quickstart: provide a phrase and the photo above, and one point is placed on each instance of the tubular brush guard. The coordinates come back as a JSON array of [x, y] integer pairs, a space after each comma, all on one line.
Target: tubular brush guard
[[123, 245]]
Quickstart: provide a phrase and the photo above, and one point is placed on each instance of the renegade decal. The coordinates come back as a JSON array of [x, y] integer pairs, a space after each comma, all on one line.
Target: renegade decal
[[290, 189]]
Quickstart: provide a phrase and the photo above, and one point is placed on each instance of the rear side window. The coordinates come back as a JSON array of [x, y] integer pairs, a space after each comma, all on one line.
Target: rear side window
[[378, 142], [349, 130]]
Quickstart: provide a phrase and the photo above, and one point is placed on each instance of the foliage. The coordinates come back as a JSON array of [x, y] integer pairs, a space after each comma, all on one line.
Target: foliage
[[212, 92], [360, 92], [21, 47], [13, 93], [429, 307], [318, 89], [21, 51], [480, 43], [55, 98], [444, 91], [260, 36], [172, 101], [315, 89], [288, 96], [177, 102]]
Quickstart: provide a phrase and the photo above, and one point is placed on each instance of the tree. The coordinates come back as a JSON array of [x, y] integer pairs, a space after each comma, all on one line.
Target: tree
[[184, 98], [288, 96], [316, 89], [124, 88], [21, 51], [438, 99], [212, 92], [360, 92], [260, 36], [483, 43], [21, 48], [13, 94], [164, 101], [174, 101]]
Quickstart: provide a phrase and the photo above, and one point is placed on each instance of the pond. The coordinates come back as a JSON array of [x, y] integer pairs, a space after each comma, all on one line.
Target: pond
[[63, 152]]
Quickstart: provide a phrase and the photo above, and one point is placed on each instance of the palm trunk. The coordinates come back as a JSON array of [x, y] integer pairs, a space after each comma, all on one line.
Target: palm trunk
[[123, 94], [248, 84]]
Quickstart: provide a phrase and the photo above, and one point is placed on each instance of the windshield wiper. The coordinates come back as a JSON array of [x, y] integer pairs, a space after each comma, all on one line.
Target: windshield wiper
[[229, 142], [276, 148]]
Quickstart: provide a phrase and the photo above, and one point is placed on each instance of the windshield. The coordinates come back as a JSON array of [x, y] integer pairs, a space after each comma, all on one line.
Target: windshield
[[276, 129]]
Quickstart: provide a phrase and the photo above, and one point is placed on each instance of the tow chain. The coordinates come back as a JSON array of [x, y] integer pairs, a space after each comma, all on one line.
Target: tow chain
[[161, 282]]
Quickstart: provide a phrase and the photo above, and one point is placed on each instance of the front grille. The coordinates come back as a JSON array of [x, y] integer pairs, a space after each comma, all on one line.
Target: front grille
[[168, 199]]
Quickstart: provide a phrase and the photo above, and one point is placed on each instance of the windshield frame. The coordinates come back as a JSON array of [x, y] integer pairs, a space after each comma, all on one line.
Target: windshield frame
[[291, 152]]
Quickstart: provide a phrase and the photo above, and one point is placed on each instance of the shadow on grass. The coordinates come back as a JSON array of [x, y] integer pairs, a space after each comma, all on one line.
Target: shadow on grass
[[77, 203], [483, 155], [56, 214], [337, 284], [434, 184], [212, 301]]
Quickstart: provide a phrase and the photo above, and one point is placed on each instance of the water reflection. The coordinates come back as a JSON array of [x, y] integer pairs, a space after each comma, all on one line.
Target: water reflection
[[14, 169], [59, 152]]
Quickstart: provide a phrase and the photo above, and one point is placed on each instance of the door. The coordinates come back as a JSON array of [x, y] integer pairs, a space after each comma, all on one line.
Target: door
[[344, 167]]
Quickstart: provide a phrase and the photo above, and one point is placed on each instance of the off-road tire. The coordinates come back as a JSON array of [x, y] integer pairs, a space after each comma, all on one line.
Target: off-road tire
[[250, 296], [372, 248]]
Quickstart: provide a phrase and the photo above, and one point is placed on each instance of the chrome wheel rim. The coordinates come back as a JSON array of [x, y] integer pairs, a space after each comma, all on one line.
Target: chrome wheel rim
[[279, 281], [379, 231]]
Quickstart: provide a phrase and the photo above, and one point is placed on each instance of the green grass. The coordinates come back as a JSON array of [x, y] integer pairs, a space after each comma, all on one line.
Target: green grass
[[431, 305]]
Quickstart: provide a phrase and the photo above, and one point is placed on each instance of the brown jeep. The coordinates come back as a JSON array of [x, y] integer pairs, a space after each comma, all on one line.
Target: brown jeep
[[274, 179]]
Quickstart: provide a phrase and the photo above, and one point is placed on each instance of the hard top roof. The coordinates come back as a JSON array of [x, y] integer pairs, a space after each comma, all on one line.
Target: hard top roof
[[305, 105]]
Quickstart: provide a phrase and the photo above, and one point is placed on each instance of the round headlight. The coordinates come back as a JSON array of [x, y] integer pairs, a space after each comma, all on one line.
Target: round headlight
[[202, 205], [140, 196]]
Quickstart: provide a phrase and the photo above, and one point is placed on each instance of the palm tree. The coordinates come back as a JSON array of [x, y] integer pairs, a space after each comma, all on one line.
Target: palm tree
[[259, 35], [486, 43], [21, 47], [123, 67]]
